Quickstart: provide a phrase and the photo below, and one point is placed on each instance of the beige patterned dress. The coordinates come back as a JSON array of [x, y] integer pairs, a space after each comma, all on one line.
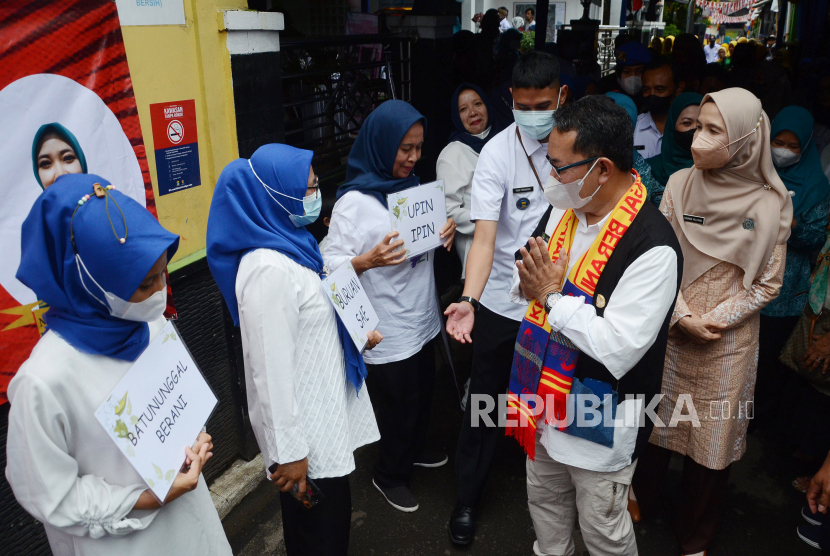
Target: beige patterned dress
[[719, 376]]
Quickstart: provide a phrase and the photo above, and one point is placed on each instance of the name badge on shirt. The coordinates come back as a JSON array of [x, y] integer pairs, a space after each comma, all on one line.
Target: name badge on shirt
[[694, 219], [522, 189], [639, 147]]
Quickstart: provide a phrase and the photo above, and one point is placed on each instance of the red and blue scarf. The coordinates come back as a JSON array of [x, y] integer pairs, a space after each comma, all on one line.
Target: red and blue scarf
[[544, 361]]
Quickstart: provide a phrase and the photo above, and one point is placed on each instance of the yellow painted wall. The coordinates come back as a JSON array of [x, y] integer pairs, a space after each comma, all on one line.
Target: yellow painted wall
[[171, 63]]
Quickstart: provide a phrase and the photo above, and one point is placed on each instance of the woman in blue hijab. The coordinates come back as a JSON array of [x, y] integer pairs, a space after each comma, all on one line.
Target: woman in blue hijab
[[55, 152], [98, 262], [796, 160], [653, 187], [303, 372], [402, 369], [472, 115]]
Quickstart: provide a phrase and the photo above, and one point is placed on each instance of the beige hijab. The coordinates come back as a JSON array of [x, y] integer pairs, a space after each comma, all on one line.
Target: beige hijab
[[746, 209]]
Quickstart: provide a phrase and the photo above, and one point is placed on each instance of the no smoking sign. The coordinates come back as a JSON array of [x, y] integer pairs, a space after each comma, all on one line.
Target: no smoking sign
[[177, 152], [175, 132]]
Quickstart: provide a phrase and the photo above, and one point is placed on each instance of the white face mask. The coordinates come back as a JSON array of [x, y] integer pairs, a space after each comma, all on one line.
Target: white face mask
[[312, 204], [564, 196], [784, 157], [632, 84], [148, 310]]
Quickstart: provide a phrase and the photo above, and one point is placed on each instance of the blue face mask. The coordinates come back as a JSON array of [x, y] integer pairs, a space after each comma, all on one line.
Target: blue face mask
[[312, 204], [537, 124]]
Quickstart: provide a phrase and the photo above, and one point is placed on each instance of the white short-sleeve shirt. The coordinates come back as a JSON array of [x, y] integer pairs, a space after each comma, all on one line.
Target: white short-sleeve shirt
[[503, 182], [647, 138]]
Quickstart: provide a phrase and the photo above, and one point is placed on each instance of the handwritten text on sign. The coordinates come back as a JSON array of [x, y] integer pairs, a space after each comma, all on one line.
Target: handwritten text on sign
[[418, 214], [157, 409], [351, 303]]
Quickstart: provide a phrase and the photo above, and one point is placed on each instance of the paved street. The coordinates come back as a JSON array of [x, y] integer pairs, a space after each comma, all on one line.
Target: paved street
[[760, 517]]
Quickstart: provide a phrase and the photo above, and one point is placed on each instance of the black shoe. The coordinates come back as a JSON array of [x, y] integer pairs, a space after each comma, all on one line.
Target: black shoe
[[810, 517], [810, 534], [462, 524], [431, 458], [400, 498]]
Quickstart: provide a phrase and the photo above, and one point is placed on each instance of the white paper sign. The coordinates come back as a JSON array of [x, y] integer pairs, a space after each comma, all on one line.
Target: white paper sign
[[150, 12], [419, 213], [157, 409], [351, 303]]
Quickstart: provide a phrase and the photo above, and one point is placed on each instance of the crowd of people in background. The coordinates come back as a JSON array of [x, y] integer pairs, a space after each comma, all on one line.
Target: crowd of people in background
[[667, 221]]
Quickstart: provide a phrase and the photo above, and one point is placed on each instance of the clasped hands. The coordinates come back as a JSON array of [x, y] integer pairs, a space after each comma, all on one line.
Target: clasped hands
[[696, 329], [538, 274]]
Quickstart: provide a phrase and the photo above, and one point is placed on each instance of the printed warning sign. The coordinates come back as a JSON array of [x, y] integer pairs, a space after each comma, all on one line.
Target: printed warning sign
[[176, 144]]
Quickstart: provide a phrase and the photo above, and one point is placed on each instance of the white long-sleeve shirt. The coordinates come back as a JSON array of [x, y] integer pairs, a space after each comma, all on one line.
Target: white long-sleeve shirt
[[711, 52], [619, 339], [403, 295], [456, 166], [299, 400], [65, 470]]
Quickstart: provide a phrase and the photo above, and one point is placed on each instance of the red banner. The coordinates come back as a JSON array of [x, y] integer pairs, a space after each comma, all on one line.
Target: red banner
[[64, 86], [725, 8]]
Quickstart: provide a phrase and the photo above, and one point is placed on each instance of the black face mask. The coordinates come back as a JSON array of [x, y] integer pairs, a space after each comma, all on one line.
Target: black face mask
[[684, 139], [657, 105]]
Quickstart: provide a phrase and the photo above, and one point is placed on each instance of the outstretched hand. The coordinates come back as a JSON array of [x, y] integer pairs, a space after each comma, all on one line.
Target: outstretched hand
[[461, 317]]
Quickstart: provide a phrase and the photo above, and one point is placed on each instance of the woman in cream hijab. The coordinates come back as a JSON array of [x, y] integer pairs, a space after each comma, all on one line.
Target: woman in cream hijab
[[732, 215]]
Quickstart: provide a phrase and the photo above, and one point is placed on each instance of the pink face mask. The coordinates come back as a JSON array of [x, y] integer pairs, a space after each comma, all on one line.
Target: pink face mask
[[710, 153]]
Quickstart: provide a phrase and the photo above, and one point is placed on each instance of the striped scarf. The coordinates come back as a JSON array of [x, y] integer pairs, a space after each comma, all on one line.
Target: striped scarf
[[545, 361]]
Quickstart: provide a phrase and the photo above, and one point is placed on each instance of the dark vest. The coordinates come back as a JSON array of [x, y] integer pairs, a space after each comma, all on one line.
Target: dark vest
[[649, 229]]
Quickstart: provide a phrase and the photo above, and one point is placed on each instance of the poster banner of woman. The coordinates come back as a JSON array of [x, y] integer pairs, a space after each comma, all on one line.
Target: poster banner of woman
[[66, 106]]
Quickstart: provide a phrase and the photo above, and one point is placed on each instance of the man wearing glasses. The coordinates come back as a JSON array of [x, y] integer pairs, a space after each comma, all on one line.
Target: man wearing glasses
[[599, 297]]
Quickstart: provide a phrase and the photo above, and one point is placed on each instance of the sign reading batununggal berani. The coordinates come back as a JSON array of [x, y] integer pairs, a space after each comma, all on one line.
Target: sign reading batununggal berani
[[157, 408]]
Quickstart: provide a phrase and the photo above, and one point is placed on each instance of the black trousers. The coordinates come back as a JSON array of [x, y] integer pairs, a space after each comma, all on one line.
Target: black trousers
[[401, 395], [324, 529], [772, 374], [493, 344], [702, 492]]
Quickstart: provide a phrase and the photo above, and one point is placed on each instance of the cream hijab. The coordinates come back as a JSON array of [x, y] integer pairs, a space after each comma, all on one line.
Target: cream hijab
[[746, 209]]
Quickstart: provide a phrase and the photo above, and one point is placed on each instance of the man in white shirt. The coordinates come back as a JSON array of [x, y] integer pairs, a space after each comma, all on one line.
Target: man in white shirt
[[614, 318], [504, 24], [659, 90], [507, 204], [530, 17], [711, 50]]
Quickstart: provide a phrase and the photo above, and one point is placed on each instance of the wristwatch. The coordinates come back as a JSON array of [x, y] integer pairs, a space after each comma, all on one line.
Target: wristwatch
[[471, 300], [551, 299]]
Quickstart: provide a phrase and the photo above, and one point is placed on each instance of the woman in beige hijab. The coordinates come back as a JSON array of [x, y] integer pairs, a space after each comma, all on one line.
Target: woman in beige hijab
[[732, 215]]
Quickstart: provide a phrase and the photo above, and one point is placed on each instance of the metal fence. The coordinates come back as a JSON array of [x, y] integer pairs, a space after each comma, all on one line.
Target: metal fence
[[643, 32], [330, 85]]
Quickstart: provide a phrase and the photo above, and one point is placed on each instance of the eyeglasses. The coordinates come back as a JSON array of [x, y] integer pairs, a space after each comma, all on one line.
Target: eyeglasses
[[558, 171], [316, 183]]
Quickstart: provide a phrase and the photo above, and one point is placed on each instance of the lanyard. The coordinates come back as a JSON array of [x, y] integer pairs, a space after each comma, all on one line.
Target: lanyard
[[529, 160]]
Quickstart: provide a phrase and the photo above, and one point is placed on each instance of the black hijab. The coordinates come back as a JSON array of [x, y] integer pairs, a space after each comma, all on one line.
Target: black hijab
[[461, 134]]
